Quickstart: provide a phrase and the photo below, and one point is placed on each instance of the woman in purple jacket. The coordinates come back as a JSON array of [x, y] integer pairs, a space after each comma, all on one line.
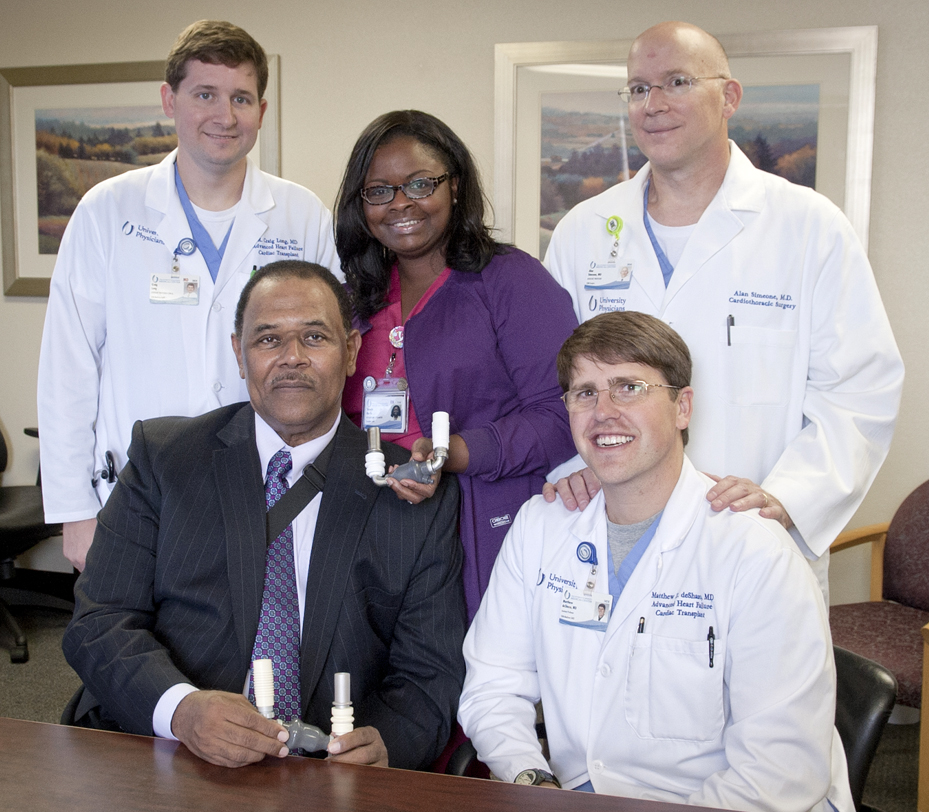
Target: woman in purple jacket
[[451, 321]]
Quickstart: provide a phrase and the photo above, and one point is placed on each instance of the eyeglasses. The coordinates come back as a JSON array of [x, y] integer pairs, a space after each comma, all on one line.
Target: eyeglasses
[[625, 393], [675, 86], [415, 189]]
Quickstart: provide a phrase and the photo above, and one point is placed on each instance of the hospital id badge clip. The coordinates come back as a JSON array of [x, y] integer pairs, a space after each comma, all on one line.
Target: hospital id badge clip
[[174, 289], [386, 405]]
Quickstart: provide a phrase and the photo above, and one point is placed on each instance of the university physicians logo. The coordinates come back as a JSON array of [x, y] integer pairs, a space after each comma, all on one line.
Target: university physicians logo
[[128, 228], [592, 304]]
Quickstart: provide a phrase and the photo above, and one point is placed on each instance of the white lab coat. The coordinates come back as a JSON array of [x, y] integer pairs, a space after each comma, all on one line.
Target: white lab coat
[[110, 357], [801, 393], [642, 714]]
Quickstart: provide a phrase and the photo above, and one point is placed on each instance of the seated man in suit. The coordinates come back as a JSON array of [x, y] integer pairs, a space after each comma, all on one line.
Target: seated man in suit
[[709, 678], [182, 590]]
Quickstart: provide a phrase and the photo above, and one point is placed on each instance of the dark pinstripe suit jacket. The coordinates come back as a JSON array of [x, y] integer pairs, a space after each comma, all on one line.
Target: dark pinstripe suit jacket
[[173, 585]]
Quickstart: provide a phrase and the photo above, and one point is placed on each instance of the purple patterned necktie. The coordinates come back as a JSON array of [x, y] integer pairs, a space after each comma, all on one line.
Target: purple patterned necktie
[[278, 637]]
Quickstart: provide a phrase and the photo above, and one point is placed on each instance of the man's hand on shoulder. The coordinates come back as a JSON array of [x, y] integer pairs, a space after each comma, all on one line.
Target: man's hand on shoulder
[[76, 540], [363, 745], [225, 729], [738, 493], [575, 490]]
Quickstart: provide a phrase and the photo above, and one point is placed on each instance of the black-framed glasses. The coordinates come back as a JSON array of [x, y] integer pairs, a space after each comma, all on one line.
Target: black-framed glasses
[[624, 393], [675, 86], [415, 189]]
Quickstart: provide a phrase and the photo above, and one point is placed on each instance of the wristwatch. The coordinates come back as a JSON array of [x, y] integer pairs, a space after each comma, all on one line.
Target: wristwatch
[[533, 777]]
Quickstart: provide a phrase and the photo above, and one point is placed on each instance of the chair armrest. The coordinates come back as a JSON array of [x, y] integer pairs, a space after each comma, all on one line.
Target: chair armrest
[[875, 534], [860, 535]]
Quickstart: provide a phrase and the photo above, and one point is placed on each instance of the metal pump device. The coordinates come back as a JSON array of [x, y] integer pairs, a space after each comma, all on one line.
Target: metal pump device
[[303, 736], [375, 467]]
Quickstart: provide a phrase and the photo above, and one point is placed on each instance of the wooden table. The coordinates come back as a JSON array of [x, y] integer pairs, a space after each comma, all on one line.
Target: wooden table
[[65, 769]]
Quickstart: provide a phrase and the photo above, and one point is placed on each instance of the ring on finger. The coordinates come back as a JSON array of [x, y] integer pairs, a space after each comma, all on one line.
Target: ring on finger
[[765, 500]]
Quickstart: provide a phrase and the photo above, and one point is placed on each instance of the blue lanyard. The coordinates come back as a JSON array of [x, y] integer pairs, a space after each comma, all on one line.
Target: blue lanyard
[[212, 255], [666, 268], [618, 580]]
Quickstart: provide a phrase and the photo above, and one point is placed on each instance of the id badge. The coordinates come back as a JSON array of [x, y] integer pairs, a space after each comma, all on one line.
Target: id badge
[[386, 405], [608, 276], [589, 611], [174, 289]]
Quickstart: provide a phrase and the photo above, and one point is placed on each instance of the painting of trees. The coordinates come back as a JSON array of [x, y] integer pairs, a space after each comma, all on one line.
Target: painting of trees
[[77, 151]]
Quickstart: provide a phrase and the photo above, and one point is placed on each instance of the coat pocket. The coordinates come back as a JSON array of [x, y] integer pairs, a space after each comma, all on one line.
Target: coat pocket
[[757, 366], [671, 691]]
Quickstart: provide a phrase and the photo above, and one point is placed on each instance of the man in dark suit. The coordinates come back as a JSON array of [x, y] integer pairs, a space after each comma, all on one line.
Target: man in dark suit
[[170, 603]]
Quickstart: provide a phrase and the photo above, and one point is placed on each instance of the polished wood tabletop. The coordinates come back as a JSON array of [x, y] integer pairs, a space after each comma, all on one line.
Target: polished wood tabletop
[[51, 767]]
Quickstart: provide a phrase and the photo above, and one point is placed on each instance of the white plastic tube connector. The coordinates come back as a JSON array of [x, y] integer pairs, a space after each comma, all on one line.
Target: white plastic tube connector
[[263, 680], [440, 422], [375, 466], [415, 470], [343, 719]]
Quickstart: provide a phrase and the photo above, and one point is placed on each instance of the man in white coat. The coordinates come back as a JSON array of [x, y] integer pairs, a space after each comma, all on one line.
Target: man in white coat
[[710, 678], [125, 339], [766, 282]]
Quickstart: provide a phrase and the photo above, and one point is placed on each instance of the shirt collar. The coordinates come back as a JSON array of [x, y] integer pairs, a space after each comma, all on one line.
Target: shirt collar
[[269, 443]]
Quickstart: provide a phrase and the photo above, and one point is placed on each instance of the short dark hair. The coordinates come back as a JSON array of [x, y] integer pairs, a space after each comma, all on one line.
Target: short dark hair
[[365, 262], [294, 269], [631, 338], [218, 43]]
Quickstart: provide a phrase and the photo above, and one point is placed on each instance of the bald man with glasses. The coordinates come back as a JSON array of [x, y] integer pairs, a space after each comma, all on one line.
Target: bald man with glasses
[[767, 283]]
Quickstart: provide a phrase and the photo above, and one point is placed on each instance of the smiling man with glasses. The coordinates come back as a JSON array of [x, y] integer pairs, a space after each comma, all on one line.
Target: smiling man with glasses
[[765, 280], [680, 654]]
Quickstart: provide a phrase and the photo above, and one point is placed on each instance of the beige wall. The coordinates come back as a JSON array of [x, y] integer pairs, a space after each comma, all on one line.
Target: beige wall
[[331, 88]]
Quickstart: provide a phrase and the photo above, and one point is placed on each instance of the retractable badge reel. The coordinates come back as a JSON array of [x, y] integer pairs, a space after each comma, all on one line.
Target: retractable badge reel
[[587, 554], [185, 248], [614, 226]]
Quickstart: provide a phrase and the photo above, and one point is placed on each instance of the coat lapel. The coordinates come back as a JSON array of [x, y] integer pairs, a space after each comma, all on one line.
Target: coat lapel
[[237, 469], [742, 192], [348, 498]]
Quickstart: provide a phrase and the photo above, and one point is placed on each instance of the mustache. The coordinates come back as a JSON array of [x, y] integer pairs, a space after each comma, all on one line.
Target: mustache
[[294, 375]]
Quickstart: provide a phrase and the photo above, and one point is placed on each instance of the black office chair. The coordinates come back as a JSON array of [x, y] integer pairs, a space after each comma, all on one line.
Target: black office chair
[[464, 762], [865, 696], [462, 759], [22, 526]]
